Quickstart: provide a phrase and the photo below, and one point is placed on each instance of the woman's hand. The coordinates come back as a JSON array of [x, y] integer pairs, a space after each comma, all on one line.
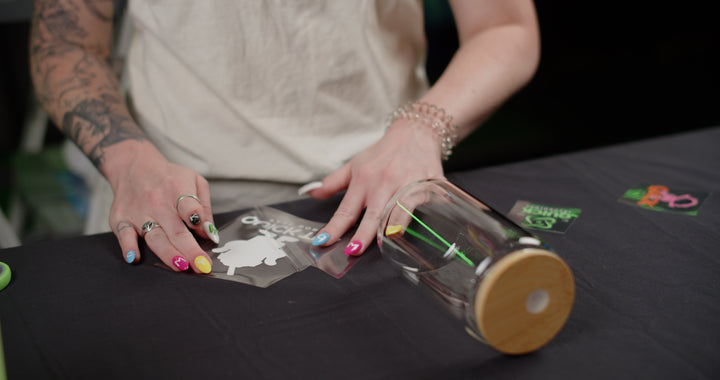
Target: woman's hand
[[70, 58], [408, 152], [151, 189]]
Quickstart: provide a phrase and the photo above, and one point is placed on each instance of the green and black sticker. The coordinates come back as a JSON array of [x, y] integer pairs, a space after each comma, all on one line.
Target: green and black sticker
[[541, 217]]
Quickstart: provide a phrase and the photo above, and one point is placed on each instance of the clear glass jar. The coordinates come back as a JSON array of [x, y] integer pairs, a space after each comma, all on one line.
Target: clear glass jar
[[505, 284]]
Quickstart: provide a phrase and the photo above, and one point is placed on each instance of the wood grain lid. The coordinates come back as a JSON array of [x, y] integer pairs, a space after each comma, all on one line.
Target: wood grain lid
[[524, 300]]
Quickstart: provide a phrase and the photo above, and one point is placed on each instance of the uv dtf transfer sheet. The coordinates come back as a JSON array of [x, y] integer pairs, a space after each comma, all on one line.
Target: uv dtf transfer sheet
[[265, 245]]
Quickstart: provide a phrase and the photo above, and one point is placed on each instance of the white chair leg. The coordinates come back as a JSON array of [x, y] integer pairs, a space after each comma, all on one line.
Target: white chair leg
[[8, 237]]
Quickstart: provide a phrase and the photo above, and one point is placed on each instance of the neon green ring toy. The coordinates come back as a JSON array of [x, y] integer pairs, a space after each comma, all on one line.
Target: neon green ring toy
[[4, 275]]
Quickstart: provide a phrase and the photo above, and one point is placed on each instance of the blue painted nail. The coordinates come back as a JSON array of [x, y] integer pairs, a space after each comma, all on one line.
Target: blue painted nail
[[321, 239], [130, 257]]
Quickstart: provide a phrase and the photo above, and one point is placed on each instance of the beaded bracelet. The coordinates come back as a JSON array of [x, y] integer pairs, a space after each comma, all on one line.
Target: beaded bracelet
[[432, 116]]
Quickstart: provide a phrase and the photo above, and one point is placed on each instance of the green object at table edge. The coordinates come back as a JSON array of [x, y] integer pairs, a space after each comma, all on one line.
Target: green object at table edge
[[4, 275]]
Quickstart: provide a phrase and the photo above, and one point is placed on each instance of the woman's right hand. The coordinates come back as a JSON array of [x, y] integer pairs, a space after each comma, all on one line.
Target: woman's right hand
[[70, 55], [148, 189]]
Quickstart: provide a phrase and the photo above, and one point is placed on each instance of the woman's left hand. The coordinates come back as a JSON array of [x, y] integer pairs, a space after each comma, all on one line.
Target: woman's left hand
[[408, 152]]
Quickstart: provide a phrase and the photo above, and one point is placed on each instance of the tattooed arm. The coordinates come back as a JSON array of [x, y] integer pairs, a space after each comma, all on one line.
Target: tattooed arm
[[70, 52]]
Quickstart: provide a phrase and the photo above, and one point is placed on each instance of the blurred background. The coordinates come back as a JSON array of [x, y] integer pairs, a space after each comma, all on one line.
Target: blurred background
[[610, 72]]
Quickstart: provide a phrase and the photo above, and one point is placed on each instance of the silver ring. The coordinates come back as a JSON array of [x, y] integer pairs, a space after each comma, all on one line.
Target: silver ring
[[148, 226], [177, 202]]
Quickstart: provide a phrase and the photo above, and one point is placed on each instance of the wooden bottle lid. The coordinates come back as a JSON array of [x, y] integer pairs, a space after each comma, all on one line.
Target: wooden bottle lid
[[524, 300]]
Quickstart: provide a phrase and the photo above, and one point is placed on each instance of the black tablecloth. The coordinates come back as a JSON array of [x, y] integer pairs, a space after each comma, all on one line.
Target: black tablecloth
[[647, 302]]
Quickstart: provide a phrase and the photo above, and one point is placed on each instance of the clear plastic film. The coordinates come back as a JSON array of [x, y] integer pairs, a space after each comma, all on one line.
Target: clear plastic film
[[265, 245], [504, 283]]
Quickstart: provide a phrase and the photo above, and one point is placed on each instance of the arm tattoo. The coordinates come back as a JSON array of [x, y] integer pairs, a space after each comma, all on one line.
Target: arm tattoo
[[59, 21], [59, 39], [71, 67], [93, 125]]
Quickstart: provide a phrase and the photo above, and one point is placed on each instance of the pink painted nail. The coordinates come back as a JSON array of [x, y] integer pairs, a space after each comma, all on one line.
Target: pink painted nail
[[353, 249], [180, 263]]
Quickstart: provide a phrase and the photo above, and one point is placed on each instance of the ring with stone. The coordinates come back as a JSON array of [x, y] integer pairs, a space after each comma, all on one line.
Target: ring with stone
[[148, 226]]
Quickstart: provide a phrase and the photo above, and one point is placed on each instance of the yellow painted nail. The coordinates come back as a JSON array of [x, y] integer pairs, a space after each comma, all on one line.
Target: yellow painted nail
[[393, 229], [203, 264]]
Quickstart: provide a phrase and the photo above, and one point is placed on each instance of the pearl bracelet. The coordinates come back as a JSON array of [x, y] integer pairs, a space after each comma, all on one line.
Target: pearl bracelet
[[432, 116]]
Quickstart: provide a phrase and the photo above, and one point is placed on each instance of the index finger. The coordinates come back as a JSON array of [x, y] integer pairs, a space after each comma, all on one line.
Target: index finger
[[196, 212], [333, 183]]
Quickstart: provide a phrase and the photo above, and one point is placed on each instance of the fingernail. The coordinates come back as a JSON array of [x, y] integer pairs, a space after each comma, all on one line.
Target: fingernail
[[212, 232], [321, 239], [194, 219], [309, 187], [180, 263], [202, 264], [393, 229], [130, 257], [353, 248]]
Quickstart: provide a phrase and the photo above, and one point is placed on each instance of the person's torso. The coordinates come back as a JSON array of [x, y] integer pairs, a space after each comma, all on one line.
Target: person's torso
[[272, 90]]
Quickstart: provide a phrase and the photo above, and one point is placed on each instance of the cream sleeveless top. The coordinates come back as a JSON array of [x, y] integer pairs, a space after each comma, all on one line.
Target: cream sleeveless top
[[272, 90]]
